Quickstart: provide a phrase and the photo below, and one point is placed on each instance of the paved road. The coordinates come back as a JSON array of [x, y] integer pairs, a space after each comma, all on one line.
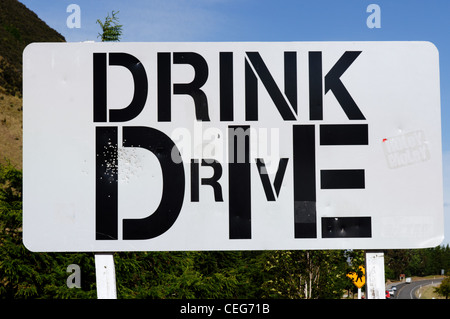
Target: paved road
[[407, 291]]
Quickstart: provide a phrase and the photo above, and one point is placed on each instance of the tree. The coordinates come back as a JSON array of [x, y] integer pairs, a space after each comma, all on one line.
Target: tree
[[305, 274], [177, 275], [111, 29], [396, 263], [417, 262], [444, 288]]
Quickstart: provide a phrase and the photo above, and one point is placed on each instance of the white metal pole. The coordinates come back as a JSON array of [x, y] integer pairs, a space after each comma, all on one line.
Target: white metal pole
[[105, 274], [359, 293], [375, 283]]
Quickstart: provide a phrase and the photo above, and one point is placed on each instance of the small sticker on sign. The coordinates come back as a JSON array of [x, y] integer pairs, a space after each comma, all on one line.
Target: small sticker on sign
[[406, 149]]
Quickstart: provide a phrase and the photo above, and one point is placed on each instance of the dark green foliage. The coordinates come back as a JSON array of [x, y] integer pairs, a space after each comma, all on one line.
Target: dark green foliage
[[444, 288], [417, 262], [172, 275], [306, 274]]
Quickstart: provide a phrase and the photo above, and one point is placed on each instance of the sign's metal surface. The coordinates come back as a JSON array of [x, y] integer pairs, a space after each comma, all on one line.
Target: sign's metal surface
[[223, 146]]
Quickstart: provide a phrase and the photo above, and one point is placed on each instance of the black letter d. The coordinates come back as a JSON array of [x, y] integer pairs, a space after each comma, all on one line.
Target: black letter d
[[107, 189], [173, 183]]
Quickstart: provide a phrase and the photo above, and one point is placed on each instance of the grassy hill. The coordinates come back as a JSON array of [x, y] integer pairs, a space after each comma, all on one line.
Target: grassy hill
[[19, 26], [11, 129]]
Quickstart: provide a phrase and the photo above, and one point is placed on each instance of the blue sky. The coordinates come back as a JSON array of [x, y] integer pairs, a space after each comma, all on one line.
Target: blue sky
[[270, 20]]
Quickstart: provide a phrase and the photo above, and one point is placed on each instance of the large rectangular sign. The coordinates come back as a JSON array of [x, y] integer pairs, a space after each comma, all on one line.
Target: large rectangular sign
[[231, 146]]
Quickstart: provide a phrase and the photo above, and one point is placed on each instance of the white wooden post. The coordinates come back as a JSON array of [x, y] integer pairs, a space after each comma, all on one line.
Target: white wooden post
[[105, 274], [375, 283]]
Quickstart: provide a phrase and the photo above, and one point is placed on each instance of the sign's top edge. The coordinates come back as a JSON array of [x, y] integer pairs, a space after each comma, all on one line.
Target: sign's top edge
[[227, 43], [289, 44], [237, 42]]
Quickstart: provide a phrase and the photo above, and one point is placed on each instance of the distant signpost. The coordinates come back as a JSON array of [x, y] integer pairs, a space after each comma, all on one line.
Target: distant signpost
[[358, 277]]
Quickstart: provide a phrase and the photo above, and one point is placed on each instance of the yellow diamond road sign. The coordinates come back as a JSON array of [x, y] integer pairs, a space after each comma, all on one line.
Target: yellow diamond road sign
[[358, 277]]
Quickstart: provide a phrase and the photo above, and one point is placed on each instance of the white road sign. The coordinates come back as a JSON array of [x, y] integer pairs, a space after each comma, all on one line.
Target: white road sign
[[231, 146]]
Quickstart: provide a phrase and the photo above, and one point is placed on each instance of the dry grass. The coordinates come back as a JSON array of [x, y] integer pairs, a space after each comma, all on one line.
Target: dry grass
[[427, 292], [11, 130]]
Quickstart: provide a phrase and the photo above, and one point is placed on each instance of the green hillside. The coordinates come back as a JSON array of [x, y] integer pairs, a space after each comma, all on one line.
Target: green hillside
[[19, 26]]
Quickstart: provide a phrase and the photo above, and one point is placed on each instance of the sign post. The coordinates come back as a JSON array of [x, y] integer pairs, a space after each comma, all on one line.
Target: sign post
[[105, 276], [375, 288], [358, 278]]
